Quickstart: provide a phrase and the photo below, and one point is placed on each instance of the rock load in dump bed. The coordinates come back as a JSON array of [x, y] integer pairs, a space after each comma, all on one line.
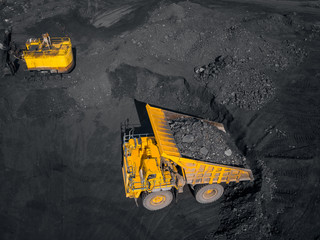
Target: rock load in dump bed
[[198, 139]]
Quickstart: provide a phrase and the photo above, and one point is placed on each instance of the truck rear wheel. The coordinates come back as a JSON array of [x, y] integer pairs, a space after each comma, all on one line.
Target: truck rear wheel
[[157, 200], [208, 193]]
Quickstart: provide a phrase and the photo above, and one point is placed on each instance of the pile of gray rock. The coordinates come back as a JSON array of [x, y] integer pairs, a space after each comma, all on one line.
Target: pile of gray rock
[[200, 140]]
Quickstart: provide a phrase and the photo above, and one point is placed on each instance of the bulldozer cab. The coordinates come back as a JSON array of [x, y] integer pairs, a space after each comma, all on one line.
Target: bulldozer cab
[[33, 44]]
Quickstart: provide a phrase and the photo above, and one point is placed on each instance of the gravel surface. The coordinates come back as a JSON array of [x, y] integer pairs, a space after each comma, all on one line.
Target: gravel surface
[[236, 84], [200, 140]]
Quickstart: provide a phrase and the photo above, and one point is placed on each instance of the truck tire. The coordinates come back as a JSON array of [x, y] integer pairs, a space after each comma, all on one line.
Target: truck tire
[[157, 200], [208, 193]]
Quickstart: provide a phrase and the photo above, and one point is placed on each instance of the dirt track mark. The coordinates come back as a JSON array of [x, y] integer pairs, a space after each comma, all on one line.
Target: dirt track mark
[[110, 17], [298, 173]]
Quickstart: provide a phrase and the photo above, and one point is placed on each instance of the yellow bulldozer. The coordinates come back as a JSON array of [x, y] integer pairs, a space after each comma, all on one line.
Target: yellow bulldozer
[[154, 169], [46, 54]]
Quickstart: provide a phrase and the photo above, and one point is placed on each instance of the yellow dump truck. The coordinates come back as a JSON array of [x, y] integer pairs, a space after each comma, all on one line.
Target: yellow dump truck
[[52, 55], [154, 169]]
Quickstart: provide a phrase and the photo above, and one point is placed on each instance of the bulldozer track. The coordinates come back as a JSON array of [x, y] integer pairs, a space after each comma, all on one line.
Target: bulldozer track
[[36, 76]]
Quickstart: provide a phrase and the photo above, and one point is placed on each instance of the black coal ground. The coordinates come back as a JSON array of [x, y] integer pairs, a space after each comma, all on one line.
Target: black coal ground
[[61, 150], [200, 140]]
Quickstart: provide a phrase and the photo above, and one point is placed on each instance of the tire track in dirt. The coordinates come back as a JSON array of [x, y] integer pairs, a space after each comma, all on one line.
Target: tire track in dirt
[[110, 17]]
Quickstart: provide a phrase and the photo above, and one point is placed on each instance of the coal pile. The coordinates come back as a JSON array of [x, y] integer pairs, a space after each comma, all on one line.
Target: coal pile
[[235, 83], [204, 72], [200, 140]]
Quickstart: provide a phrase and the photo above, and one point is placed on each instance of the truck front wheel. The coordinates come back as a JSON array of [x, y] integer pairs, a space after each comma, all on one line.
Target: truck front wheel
[[208, 193], [157, 200]]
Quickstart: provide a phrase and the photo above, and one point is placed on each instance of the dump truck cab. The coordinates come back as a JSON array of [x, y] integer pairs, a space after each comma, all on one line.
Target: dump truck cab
[[143, 170]]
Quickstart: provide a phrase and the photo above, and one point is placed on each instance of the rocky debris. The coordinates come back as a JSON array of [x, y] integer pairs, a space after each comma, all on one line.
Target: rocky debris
[[250, 89], [234, 57], [235, 84], [204, 151], [228, 152], [211, 70], [200, 140], [244, 204], [188, 139]]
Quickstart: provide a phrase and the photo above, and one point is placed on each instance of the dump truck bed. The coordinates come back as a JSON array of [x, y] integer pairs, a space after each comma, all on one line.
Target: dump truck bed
[[196, 171]]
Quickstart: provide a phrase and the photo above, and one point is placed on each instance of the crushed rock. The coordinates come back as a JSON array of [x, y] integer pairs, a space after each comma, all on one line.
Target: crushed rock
[[200, 140], [235, 84], [243, 214]]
